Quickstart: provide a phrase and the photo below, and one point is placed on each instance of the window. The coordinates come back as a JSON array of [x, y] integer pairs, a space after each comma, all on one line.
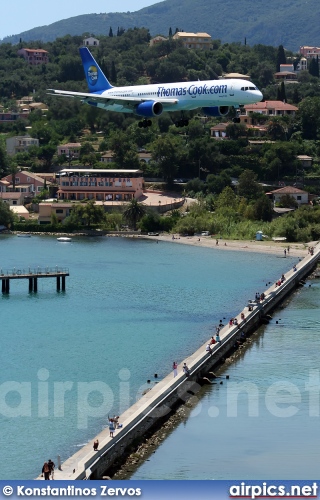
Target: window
[[59, 211], [298, 198], [14, 202]]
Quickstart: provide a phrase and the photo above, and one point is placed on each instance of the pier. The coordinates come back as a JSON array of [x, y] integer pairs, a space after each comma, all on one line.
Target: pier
[[32, 275], [163, 397]]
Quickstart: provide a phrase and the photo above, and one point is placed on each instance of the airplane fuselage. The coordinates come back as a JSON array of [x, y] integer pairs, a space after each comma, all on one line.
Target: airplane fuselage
[[189, 95]]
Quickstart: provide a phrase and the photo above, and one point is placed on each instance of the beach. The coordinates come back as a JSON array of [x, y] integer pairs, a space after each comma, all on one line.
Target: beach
[[270, 247]]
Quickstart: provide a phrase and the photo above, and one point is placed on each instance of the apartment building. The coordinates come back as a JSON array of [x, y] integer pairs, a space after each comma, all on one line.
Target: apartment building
[[99, 184]]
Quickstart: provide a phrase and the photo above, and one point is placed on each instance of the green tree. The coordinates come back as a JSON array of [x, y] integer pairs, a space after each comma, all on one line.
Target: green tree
[[133, 212], [263, 209], [281, 93], [314, 67], [165, 154], [281, 57], [309, 117], [248, 186], [6, 215], [227, 199]]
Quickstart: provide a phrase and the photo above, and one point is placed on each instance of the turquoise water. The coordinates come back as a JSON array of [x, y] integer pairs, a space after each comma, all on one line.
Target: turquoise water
[[277, 435], [130, 307]]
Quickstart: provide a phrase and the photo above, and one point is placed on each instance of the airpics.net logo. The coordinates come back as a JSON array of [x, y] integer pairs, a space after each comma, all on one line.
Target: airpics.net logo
[[93, 74]]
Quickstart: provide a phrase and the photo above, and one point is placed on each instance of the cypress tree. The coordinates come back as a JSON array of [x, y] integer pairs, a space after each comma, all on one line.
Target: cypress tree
[[110, 32], [113, 76], [314, 67], [170, 32], [281, 57]]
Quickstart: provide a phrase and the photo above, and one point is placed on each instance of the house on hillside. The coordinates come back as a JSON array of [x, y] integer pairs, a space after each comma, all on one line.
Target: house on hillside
[[25, 182], [305, 160], [12, 199], [20, 143], [286, 73], [157, 39], [34, 56], [309, 52], [91, 42], [269, 108], [107, 157], [72, 149], [194, 40], [239, 76], [219, 131], [300, 196]]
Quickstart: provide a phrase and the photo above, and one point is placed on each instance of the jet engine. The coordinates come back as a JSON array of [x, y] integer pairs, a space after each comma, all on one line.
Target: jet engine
[[216, 111], [149, 109]]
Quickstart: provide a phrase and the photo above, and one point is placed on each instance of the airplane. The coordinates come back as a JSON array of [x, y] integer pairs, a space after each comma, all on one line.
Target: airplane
[[215, 97]]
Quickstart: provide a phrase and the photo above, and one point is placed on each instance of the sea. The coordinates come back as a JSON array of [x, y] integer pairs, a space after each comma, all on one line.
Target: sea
[[131, 307]]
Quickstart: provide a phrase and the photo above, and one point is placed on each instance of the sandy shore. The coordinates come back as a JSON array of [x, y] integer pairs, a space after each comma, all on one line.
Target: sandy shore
[[295, 249]]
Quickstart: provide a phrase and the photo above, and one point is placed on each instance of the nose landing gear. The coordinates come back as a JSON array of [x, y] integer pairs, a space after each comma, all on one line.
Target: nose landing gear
[[182, 123], [237, 118]]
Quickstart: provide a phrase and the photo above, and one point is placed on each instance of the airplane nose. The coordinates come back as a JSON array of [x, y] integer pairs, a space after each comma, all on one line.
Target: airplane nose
[[260, 95]]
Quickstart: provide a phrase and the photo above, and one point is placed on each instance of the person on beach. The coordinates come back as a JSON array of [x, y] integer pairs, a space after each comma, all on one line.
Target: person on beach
[[218, 338], [51, 467], [111, 427], [96, 445], [217, 242], [186, 370], [212, 341], [285, 252], [46, 471], [175, 369], [243, 318], [230, 322]]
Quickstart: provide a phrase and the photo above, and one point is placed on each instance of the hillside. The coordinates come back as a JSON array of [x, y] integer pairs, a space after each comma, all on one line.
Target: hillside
[[291, 23]]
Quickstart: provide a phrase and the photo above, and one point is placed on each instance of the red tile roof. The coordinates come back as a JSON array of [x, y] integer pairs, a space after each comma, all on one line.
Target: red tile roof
[[289, 190], [278, 105]]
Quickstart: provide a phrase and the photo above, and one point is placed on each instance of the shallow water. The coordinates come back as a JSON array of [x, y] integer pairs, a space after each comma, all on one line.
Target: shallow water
[[271, 428], [129, 304]]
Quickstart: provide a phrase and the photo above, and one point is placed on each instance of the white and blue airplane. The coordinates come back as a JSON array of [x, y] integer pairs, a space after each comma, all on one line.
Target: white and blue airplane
[[215, 97]]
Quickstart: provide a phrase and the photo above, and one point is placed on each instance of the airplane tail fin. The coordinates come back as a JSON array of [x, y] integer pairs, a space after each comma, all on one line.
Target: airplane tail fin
[[96, 79]]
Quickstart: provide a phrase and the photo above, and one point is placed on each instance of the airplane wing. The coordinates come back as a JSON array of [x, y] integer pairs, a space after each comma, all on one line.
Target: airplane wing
[[129, 101]]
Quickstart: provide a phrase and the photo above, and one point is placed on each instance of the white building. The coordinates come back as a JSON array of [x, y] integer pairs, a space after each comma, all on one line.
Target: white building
[[91, 42], [20, 143]]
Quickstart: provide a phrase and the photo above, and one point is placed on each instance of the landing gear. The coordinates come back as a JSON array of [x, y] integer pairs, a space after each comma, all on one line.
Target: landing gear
[[237, 118], [145, 124], [182, 123]]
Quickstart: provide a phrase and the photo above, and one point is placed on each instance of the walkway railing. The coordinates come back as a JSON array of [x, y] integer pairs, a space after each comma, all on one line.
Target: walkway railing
[[27, 271]]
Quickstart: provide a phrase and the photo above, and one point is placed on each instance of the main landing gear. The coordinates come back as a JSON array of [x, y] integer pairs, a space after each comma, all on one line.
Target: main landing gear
[[237, 118], [182, 123], [145, 124]]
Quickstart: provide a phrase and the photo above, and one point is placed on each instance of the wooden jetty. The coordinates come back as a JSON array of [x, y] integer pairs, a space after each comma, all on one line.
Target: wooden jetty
[[33, 274]]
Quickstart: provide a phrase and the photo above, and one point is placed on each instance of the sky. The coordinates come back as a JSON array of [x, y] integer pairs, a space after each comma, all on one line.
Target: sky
[[22, 16]]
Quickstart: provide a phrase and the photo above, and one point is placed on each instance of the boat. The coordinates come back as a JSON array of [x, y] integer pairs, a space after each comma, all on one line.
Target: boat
[[24, 235], [64, 238]]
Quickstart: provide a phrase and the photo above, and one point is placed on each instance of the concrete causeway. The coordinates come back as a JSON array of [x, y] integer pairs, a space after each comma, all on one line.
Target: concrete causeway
[[171, 391]]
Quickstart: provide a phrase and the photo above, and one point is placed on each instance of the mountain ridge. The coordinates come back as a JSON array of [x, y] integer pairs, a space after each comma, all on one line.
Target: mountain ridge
[[289, 22]]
